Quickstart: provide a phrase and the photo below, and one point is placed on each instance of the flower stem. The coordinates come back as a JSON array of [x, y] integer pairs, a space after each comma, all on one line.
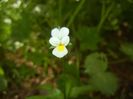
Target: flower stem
[[76, 12], [103, 9], [60, 12], [104, 16]]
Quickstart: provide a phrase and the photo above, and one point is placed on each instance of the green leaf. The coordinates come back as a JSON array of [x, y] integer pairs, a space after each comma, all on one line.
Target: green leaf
[[66, 83], [79, 90], [5, 32], [127, 48], [105, 82], [36, 97], [95, 63], [88, 37], [1, 71], [3, 83], [47, 87], [56, 94]]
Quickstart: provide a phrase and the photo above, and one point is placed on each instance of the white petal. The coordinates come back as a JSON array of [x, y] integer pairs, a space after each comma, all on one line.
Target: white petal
[[65, 40], [59, 54], [54, 41], [55, 32], [64, 31]]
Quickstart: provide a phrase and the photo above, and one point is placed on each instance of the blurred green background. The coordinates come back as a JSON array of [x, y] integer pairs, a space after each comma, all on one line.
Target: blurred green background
[[99, 62]]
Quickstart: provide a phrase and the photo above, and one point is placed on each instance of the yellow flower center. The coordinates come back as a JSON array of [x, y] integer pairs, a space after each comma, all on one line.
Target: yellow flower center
[[60, 47]]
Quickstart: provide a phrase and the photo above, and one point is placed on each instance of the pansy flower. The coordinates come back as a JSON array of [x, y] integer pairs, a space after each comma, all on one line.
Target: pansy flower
[[59, 40]]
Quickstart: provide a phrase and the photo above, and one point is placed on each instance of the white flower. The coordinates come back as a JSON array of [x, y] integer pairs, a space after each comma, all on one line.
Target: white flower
[[37, 9], [17, 4], [18, 44], [59, 41], [7, 20]]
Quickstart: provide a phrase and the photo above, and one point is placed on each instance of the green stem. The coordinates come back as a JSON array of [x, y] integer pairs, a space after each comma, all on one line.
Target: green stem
[[104, 16], [103, 10], [75, 13], [60, 11], [78, 65], [65, 97]]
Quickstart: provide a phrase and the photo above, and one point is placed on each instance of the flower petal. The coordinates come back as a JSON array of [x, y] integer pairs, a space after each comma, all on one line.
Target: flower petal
[[54, 41], [58, 53], [55, 32], [65, 40], [64, 31]]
